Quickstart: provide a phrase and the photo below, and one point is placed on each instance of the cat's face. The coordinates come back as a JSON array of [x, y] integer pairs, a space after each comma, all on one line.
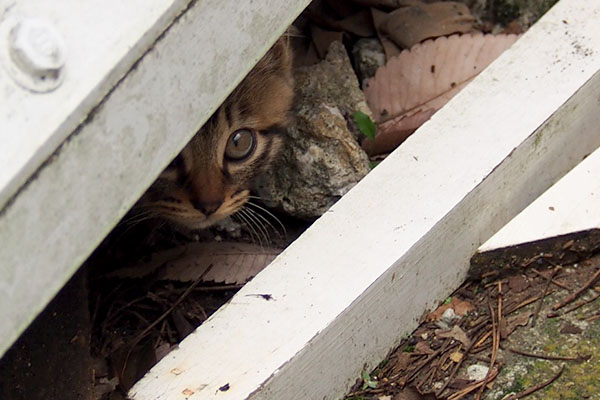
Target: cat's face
[[210, 179]]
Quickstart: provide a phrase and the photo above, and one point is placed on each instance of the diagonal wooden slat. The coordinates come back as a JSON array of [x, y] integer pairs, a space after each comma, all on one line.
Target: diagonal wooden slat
[[347, 290]]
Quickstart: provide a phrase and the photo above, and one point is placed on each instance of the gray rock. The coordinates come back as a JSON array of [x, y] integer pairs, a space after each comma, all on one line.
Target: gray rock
[[322, 159], [368, 56]]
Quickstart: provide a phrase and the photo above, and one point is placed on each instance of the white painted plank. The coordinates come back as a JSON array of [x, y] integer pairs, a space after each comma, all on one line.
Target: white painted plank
[[570, 205], [54, 222], [358, 279], [103, 39]]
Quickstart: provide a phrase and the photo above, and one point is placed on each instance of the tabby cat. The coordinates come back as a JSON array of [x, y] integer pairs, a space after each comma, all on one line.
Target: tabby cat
[[210, 179]]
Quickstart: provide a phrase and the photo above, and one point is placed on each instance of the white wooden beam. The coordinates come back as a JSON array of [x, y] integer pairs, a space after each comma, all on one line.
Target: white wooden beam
[[106, 144], [103, 39], [569, 206], [347, 290]]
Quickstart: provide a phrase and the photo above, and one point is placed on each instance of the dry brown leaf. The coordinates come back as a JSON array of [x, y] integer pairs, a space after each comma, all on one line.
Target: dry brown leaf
[[457, 356], [460, 307], [429, 74], [455, 333], [221, 262], [570, 328], [322, 39], [389, 48], [408, 26], [419, 81], [359, 24], [518, 283], [513, 322], [423, 347]]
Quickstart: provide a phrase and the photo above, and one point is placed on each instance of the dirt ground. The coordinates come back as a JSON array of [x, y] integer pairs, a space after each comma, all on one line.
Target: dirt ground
[[525, 331]]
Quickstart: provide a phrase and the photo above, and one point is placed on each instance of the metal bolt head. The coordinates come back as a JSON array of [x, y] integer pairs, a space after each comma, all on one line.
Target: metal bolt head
[[35, 54]]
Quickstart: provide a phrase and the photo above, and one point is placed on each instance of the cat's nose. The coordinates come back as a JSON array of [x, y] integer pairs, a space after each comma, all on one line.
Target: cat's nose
[[207, 208]]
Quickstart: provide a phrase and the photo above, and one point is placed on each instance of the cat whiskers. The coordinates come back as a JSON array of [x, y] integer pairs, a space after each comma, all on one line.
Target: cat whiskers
[[139, 216], [268, 213], [259, 226], [130, 221], [242, 217]]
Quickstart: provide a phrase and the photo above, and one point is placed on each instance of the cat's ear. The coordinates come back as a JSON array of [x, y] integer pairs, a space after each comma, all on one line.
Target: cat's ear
[[264, 97], [278, 59]]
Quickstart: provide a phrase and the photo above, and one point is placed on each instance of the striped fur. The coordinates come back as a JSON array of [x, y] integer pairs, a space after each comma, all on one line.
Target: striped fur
[[203, 185]]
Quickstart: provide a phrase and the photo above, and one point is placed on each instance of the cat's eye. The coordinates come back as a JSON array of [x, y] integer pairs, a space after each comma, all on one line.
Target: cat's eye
[[240, 145]]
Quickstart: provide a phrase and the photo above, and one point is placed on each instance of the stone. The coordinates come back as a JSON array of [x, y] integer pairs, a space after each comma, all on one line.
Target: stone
[[321, 160], [368, 56]]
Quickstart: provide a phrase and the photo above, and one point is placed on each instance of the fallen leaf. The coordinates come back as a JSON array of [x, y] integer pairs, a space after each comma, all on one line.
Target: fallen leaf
[[410, 25], [359, 24], [455, 333], [389, 48], [460, 307], [423, 347], [457, 356], [322, 39], [402, 361], [512, 322], [459, 383], [518, 283], [419, 81], [570, 328], [220, 262], [162, 350]]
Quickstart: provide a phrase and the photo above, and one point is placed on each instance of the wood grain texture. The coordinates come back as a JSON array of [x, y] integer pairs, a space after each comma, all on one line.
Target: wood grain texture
[[347, 290]]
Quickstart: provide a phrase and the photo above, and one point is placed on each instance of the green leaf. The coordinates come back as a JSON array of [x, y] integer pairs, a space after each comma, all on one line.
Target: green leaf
[[373, 164], [365, 124], [367, 381]]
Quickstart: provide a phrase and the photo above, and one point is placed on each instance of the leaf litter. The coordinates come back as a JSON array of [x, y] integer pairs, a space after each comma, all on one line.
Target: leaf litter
[[218, 262], [498, 332], [412, 86]]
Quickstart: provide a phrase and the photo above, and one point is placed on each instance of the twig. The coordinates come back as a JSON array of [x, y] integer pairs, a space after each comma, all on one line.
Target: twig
[[546, 287], [423, 363], [549, 357], [527, 302], [535, 258], [483, 339], [575, 307], [535, 388], [219, 288], [142, 334], [557, 283], [476, 385], [496, 321], [592, 318], [575, 295], [450, 378]]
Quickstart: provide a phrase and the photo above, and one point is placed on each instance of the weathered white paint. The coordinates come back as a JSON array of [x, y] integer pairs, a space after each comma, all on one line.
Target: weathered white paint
[[347, 290], [72, 201], [570, 205], [103, 38]]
